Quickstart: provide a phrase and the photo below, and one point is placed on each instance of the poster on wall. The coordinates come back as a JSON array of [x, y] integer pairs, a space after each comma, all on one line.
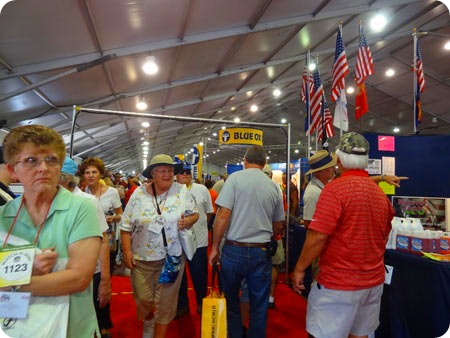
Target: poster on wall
[[430, 210], [374, 167], [386, 143]]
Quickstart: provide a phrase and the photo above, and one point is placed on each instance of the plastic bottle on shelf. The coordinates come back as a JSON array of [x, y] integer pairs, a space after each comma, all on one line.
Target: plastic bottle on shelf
[[403, 241], [445, 244], [418, 242]]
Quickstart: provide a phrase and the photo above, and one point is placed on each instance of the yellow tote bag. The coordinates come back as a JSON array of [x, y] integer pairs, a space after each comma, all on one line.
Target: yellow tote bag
[[214, 313]]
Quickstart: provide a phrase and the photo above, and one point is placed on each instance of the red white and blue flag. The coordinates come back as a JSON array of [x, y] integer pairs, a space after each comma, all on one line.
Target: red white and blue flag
[[321, 120], [364, 68], [420, 84], [340, 68]]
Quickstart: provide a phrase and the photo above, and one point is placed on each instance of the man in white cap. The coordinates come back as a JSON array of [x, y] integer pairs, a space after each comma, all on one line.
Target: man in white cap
[[348, 232], [102, 276]]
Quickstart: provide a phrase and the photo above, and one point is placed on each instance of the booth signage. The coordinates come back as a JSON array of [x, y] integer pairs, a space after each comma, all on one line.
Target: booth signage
[[241, 136]]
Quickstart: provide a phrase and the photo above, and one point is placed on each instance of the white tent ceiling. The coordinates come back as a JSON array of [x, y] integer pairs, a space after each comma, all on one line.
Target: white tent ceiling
[[213, 55]]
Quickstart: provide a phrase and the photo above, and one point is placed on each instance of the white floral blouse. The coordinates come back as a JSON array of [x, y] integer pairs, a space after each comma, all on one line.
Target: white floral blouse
[[141, 219]]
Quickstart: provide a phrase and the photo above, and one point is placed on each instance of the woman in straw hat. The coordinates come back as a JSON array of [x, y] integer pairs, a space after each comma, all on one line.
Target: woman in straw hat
[[154, 211]]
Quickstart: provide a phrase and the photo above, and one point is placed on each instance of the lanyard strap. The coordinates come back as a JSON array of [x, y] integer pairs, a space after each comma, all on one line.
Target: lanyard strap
[[159, 213], [11, 228]]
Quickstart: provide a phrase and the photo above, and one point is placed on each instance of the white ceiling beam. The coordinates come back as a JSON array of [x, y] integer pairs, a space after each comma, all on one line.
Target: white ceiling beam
[[197, 38]]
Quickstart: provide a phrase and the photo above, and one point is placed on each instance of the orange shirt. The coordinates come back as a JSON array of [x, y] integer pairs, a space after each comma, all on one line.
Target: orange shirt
[[214, 195]]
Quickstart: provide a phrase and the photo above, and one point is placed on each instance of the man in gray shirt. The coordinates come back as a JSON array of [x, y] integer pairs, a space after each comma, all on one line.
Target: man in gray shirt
[[251, 211]]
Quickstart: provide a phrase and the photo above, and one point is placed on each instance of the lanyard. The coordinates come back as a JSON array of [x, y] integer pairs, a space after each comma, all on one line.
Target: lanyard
[[11, 228]]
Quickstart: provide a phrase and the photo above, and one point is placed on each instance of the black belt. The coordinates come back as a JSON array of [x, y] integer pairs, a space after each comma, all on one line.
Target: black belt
[[247, 244]]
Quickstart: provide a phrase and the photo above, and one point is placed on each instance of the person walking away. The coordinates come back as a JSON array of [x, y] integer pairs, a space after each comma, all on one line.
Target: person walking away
[[345, 298], [251, 211]]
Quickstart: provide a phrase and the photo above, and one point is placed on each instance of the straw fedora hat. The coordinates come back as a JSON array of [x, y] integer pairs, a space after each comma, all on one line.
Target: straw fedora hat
[[162, 159], [322, 159]]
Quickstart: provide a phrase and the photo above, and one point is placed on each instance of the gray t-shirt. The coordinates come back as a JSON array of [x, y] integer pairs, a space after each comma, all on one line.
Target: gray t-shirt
[[255, 201], [310, 198]]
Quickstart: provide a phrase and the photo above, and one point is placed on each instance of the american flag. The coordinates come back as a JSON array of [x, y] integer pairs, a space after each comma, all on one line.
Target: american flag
[[317, 121], [364, 63], [420, 84], [306, 90], [419, 69], [340, 68]]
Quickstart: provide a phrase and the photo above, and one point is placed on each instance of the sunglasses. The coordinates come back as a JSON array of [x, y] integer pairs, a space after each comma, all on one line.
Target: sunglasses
[[184, 172]]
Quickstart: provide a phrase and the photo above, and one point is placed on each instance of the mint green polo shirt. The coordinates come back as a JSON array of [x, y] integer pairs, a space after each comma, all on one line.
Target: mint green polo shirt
[[70, 219]]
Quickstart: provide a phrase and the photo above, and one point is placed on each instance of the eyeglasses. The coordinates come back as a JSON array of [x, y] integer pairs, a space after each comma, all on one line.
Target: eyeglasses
[[184, 172], [33, 162], [164, 171]]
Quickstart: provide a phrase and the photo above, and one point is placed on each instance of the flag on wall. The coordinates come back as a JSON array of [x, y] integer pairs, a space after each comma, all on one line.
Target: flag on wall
[[420, 87], [364, 68], [320, 121], [340, 70]]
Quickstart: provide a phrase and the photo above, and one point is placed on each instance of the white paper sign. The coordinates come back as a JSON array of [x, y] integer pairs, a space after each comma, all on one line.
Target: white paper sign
[[14, 304], [388, 275]]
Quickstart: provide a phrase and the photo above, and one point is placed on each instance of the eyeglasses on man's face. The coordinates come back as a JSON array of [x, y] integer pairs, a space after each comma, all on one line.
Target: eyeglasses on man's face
[[33, 161]]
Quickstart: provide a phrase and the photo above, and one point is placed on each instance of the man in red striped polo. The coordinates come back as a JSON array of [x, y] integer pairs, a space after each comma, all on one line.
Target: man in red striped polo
[[348, 233]]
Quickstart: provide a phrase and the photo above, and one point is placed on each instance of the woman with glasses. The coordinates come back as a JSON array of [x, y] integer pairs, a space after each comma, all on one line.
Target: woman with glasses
[[92, 170], [57, 222], [156, 209]]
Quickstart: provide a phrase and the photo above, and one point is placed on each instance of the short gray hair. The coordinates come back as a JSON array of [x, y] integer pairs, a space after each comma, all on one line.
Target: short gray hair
[[256, 155], [352, 161]]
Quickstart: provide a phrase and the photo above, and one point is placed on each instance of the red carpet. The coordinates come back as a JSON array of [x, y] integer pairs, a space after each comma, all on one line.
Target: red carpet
[[287, 320]]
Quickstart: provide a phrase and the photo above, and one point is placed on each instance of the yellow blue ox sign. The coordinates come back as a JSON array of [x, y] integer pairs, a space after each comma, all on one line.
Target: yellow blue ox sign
[[241, 136]]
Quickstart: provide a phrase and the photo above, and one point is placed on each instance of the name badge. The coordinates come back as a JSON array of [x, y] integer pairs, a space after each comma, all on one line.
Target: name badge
[[14, 305], [16, 265], [156, 224]]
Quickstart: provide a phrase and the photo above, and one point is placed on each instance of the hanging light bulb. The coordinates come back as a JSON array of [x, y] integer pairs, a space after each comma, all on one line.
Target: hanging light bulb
[[276, 92], [253, 108], [150, 67], [145, 124], [141, 105]]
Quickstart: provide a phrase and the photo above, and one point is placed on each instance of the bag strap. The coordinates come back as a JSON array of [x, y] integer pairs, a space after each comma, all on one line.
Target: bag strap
[[216, 271], [159, 213]]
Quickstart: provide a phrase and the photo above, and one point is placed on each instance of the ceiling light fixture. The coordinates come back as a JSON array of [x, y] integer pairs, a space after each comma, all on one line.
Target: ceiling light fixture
[[233, 108], [214, 134], [390, 72], [378, 23], [253, 108], [447, 45], [150, 67], [396, 129], [276, 92], [145, 124], [141, 104], [237, 119], [312, 66], [223, 127], [296, 151], [283, 120], [350, 90]]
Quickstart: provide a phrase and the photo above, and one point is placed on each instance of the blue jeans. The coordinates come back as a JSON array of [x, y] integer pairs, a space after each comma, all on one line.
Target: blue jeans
[[198, 267], [253, 264]]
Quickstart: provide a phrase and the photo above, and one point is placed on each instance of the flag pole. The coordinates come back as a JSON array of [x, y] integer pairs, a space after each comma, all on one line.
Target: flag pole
[[340, 122], [414, 34], [308, 106]]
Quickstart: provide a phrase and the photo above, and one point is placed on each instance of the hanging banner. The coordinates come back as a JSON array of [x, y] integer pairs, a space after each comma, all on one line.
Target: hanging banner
[[241, 136], [197, 160]]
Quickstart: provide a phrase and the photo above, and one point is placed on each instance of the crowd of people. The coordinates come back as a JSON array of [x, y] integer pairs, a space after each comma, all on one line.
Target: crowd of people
[[90, 220]]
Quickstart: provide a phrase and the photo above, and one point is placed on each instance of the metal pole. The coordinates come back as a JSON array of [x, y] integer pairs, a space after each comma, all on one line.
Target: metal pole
[[288, 180], [414, 79], [72, 130], [308, 108]]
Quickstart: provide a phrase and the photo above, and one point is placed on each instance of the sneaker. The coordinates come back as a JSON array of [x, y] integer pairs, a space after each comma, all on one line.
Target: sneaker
[[149, 328]]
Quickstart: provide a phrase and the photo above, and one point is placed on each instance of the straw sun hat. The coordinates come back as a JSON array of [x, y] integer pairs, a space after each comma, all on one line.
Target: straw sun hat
[[322, 159], [162, 159]]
